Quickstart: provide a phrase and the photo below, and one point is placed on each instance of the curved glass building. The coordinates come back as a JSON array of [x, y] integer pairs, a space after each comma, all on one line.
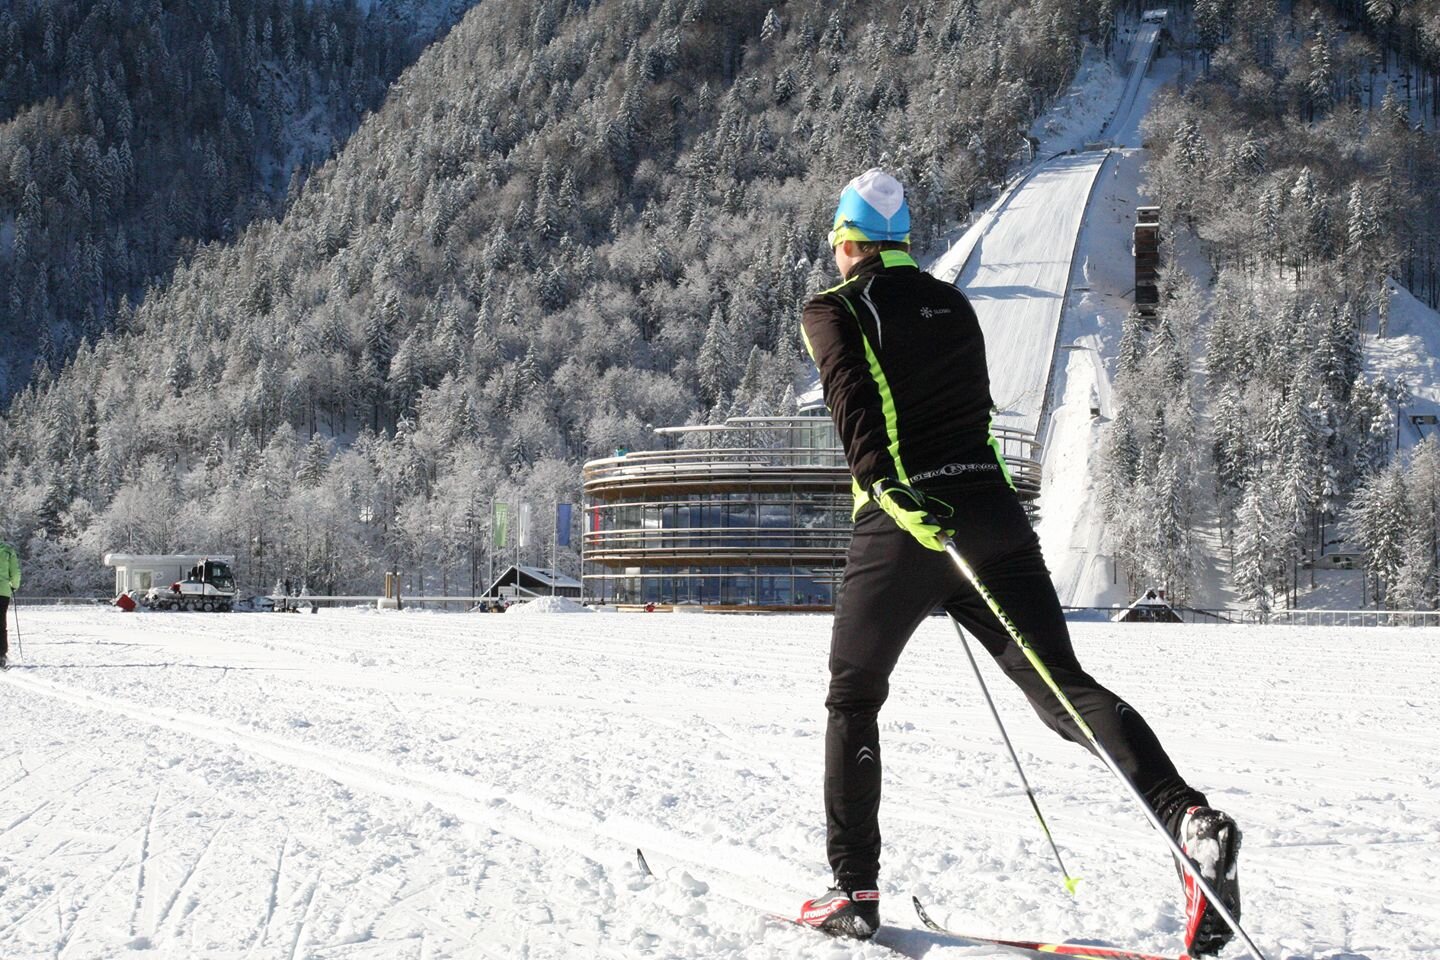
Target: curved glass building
[[750, 514]]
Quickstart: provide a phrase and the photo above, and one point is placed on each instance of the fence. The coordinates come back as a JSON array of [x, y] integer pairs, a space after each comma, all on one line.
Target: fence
[[1225, 615], [1294, 618]]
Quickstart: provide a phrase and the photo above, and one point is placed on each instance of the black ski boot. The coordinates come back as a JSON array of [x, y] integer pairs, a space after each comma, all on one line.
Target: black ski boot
[[1212, 842], [846, 910]]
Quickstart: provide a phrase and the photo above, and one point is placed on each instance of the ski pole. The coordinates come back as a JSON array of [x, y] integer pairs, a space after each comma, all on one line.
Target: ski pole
[[1185, 862], [1070, 882], [15, 609]]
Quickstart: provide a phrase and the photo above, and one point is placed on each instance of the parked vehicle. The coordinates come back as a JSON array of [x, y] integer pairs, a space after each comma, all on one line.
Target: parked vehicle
[[210, 586]]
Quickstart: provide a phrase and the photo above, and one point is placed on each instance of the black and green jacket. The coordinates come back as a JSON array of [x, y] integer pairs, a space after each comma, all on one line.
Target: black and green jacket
[[902, 363]]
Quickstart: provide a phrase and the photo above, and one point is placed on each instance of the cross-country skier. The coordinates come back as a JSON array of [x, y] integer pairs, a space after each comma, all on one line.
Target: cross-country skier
[[9, 583], [902, 362]]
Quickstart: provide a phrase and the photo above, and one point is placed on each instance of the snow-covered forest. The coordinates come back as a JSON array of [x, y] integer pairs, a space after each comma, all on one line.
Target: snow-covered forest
[[1301, 164], [567, 223], [130, 133]]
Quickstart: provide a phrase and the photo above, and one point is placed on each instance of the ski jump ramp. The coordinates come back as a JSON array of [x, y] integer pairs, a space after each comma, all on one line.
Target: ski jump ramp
[[1142, 54], [1017, 276], [1014, 263]]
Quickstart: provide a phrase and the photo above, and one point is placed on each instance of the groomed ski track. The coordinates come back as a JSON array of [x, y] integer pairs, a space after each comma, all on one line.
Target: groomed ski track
[[363, 785]]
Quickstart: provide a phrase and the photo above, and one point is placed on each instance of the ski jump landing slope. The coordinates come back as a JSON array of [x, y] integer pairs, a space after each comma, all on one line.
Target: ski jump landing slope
[[1015, 261], [1017, 277]]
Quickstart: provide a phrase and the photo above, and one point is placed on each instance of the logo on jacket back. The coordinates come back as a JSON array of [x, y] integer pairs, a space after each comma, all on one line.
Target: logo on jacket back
[[928, 312]]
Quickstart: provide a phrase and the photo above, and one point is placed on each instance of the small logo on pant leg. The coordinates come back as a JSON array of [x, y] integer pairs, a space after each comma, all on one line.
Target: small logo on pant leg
[[865, 753]]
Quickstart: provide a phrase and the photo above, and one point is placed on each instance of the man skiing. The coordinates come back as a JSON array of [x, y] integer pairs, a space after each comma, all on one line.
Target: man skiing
[[902, 363], [9, 583]]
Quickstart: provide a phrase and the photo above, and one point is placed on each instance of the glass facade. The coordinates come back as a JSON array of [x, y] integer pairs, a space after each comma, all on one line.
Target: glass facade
[[751, 514], [770, 547]]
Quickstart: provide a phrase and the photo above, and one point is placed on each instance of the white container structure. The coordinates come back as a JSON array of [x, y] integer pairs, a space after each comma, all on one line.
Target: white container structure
[[139, 572]]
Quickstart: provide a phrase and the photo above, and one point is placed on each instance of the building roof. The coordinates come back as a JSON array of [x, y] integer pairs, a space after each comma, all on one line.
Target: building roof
[[533, 580], [168, 559], [546, 576]]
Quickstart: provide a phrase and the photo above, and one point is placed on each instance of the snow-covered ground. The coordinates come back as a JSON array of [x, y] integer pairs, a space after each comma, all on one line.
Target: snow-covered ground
[[365, 785]]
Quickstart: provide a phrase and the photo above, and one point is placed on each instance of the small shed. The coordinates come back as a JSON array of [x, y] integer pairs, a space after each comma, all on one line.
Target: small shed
[[1152, 607], [141, 571], [523, 582]]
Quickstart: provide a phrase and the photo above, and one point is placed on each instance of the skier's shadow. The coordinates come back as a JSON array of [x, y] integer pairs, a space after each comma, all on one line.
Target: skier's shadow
[[917, 943]]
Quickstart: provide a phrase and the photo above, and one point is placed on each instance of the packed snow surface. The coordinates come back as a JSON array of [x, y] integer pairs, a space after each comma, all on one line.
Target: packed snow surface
[[548, 605], [359, 784]]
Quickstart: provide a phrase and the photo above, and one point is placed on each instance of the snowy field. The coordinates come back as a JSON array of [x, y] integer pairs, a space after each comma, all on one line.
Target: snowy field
[[365, 785]]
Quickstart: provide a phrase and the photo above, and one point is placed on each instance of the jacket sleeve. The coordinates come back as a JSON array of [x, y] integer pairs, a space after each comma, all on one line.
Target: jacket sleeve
[[836, 343]]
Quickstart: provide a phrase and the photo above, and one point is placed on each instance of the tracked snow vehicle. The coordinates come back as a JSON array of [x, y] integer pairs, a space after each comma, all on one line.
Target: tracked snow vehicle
[[210, 585]]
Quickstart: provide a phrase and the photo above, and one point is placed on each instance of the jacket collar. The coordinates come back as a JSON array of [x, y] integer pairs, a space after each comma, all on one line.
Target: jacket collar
[[882, 261]]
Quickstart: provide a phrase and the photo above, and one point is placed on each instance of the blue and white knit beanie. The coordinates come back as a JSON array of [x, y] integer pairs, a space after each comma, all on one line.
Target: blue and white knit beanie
[[872, 207]]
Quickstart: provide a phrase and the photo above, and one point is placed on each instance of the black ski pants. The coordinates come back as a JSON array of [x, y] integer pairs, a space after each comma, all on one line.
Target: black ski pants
[[891, 584], [4, 634]]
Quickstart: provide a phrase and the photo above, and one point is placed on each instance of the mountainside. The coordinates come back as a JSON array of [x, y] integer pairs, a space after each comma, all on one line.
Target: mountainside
[[1299, 170], [131, 132], [461, 314]]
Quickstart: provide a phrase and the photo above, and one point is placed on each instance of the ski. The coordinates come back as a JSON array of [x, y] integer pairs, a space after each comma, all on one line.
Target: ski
[[1037, 948], [910, 942]]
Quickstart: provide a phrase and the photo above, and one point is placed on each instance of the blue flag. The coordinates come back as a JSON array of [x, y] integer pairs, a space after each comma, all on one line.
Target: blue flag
[[562, 524]]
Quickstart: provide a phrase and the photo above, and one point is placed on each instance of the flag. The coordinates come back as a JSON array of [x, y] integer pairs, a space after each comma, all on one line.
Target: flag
[[522, 525], [562, 524], [500, 524]]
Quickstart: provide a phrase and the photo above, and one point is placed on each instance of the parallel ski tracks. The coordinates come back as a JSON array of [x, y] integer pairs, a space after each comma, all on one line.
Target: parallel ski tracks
[[537, 825], [185, 880], [295, 903], [142, 861]]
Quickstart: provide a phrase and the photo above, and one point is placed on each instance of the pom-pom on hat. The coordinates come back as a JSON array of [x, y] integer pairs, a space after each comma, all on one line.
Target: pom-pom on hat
[[872, 207]]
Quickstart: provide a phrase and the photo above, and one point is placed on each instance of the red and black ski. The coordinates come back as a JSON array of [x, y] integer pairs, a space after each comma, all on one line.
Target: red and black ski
[[1037, 948], [916, 943]]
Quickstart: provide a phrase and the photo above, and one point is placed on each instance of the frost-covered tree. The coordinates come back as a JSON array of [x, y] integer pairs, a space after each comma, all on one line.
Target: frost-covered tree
[[1376, 520]]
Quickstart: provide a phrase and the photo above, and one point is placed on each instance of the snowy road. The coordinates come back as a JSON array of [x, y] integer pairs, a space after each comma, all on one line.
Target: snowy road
[[358, 785], [1016, 278]]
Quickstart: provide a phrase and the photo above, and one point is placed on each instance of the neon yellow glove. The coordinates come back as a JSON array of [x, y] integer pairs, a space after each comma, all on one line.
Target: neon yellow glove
[[916, 514]]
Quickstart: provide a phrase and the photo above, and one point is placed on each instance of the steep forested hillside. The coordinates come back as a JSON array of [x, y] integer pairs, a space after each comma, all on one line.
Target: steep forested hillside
[[131, 132], [1301, 162], [569, 222]]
